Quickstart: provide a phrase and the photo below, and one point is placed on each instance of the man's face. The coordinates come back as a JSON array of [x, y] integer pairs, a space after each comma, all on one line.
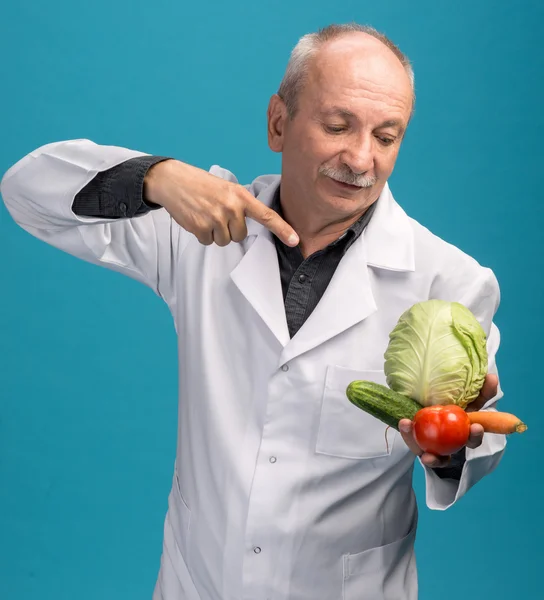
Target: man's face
[[341, 146]]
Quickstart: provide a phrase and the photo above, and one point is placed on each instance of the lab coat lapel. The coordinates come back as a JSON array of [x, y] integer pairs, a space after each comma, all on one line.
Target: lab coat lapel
[[347, 300], [257, 275], [387, 243]]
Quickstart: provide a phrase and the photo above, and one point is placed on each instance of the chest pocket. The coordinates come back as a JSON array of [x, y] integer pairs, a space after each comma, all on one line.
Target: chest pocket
[[344, 429]]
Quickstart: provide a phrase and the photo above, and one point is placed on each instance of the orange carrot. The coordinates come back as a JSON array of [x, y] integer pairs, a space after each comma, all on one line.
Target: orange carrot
[[497, 422]]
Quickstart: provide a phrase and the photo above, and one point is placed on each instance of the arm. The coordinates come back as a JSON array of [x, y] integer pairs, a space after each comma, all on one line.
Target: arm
[[482, 298], [46, 189], [42, 190]]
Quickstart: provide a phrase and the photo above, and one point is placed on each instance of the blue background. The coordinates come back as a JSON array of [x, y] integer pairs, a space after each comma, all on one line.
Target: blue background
[[88, 367]]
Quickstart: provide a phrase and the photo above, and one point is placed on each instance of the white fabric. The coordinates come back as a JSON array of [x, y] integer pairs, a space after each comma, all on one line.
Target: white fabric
[[282, 489]]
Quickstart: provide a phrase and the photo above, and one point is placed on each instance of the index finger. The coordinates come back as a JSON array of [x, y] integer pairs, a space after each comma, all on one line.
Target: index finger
[[257, 211]]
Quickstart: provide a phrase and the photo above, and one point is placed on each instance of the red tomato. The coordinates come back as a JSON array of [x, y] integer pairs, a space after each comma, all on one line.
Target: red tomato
[[441, 430]]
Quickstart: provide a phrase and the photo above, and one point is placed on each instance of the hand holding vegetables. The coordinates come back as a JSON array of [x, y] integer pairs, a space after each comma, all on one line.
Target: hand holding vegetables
[[474, 437], [436, 369]]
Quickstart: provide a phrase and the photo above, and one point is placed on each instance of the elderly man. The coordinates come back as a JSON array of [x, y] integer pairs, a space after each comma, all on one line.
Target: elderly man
[[282, 292]]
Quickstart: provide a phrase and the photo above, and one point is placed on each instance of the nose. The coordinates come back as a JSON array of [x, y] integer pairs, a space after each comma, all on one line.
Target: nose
[[359, 154]]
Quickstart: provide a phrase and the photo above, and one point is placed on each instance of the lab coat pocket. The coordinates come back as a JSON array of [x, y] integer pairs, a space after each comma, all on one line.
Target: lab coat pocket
[[180, 518], [175, 579], [383, 573], [344, 429]]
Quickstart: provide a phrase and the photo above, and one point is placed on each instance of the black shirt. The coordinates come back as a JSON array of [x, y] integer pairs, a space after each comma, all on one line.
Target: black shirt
[[304, 281]]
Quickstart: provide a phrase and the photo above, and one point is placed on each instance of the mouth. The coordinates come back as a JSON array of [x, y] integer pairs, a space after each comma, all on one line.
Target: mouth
[[346, 186]]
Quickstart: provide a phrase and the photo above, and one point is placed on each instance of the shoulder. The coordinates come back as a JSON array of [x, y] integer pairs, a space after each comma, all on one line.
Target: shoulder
[[434, 250], [455, 275], [259, 184]]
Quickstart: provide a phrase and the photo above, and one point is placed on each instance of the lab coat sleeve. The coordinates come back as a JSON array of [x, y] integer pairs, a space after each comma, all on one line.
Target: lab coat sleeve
[[39, 191], [481, 296]]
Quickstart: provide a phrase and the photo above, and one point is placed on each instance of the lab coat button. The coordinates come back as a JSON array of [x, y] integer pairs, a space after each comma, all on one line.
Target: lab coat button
[[257, 550], [285, 368], [272, 459]]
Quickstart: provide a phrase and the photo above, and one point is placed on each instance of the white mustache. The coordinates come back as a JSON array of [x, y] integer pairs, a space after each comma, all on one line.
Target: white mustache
[[362, 180]]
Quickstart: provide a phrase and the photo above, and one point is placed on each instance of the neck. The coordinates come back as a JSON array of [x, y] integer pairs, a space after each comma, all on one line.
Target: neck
[[315, 228]]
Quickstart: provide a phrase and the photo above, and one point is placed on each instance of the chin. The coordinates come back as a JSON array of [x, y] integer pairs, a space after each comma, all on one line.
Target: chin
[[350, 197], [343, 205]]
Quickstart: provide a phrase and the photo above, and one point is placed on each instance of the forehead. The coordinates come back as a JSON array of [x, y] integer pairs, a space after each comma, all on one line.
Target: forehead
[[360, 74]]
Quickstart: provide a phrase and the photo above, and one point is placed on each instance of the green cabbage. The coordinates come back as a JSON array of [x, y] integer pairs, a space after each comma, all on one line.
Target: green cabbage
[[437, 354]]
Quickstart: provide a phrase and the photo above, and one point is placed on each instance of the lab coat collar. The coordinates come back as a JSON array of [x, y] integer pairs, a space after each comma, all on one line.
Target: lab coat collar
[[388, 238], [387, 243]]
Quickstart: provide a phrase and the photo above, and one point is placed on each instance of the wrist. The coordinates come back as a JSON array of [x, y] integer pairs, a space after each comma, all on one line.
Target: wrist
[[151, 187]]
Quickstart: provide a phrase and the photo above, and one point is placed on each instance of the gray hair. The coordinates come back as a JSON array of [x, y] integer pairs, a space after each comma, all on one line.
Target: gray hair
[[298, 66]]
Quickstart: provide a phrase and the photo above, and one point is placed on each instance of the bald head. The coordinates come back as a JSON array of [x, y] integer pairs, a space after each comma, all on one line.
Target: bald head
[[337, 40], [359, 64]]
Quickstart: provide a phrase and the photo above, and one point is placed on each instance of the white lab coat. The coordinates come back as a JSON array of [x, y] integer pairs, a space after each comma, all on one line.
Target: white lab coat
[[282, 489]]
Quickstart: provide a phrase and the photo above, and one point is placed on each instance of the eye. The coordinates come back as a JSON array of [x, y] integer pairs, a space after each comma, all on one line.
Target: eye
[[335, 128], [385, 141]]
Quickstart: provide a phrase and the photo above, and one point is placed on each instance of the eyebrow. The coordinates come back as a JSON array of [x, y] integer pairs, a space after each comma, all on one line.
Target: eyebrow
[[347, 114], [341, 112], [392, 123]]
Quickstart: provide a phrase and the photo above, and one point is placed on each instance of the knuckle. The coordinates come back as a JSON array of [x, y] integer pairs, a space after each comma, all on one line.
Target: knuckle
[[194, 229], [201, 228], [222, 241], [217, 216], [229, 210], [239, 237], [231, 202], [268, 216]]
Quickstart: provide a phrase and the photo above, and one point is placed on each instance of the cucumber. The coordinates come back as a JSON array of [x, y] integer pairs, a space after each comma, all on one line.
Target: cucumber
[[382, 402]]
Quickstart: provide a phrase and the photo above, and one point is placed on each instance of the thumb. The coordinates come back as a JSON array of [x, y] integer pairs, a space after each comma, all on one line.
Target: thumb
[[488, 391], [406, 431], [257, 211]]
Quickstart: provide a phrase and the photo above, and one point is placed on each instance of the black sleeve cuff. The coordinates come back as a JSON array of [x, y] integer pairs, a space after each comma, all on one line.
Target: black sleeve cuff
[[455, 467], [117, 192]]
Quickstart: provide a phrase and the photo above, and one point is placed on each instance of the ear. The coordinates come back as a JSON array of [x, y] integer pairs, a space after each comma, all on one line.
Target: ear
[[277, 116]]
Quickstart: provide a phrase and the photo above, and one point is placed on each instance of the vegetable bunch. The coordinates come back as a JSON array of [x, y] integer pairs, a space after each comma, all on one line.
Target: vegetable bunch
[[435, 366]]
